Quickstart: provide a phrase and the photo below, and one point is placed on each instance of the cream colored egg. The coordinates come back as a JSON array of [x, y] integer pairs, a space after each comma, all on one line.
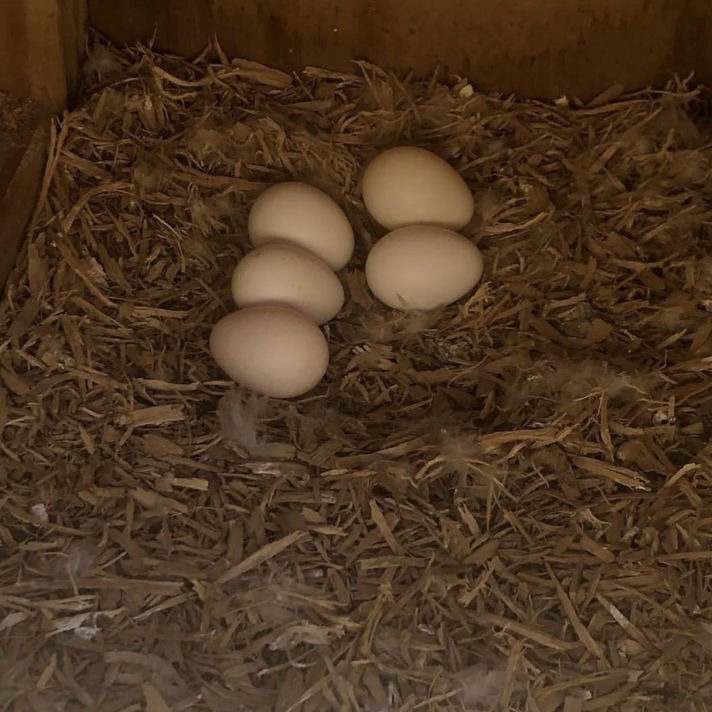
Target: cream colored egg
[[421, 267], [271, 350], [305, 216], [408, 185], [288, 276]]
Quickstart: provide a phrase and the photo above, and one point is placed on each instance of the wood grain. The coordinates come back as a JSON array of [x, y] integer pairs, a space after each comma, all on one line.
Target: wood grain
[[41, 42], [542, 48], [18, 194]]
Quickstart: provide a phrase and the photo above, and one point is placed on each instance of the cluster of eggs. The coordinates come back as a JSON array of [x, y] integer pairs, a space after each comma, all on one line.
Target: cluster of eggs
[[287, 286]]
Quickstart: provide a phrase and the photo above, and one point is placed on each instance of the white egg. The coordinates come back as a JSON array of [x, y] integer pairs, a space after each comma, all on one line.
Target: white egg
[[421, 267], [304, 216], [408, 185], [288, 276], [274, 351]]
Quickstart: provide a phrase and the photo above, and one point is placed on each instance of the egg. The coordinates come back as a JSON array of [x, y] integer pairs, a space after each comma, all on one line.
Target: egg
[[421, 267], [408, 185], [271, 350], [289, 276], [304, 216]]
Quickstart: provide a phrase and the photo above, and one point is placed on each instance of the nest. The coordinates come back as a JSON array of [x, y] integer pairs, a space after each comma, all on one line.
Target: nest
[[506, 504]]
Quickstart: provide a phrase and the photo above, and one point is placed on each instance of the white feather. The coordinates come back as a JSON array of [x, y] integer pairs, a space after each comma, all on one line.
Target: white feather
[[482, 686], [102, 62], [239, 415]]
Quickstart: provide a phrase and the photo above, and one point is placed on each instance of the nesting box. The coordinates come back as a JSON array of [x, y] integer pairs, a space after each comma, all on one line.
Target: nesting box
[[500, 500]]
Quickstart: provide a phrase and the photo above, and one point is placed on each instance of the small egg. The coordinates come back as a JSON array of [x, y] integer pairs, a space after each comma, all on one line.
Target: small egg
[[286, 275], [408, 185], [272, 350], [304, 216], [420, 267]]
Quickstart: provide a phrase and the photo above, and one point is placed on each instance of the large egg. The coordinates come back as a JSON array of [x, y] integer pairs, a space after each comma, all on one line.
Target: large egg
[[421, 267], [274, 351], [408, 185], [304, 216], [288, 276]]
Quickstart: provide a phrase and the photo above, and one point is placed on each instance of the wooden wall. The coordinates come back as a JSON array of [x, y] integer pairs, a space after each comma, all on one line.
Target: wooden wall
[[539, 48], [41, 42], [21, 170]]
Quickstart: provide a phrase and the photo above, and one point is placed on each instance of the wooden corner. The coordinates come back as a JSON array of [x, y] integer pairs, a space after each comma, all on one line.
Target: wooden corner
[[41, 44]]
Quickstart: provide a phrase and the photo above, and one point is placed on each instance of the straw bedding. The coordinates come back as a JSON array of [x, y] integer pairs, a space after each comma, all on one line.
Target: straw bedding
[[503, 505]]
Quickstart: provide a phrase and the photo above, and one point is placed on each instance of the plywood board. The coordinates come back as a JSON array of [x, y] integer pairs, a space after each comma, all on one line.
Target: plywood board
[[21, 168], [41, 42], [533, 47]]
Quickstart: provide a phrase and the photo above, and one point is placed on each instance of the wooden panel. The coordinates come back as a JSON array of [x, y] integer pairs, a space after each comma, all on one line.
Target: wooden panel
[[21, 168], [534, 47], [40, 46]]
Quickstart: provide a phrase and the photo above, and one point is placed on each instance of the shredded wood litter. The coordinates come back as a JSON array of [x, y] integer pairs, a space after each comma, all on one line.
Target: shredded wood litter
[[504, 505]]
